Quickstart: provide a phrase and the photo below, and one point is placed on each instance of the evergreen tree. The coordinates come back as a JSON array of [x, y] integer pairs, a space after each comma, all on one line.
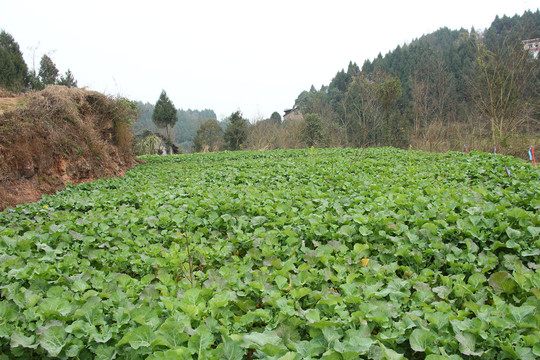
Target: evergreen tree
[[313, 132], [275, 118], [13, 69], [236, 132], [164, 114], [352, 70], [48, 73], [68, 80], [389, 91]]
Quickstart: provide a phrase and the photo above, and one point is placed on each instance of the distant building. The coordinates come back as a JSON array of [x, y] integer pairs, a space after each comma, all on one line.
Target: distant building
[[293, 114], [532, 45]]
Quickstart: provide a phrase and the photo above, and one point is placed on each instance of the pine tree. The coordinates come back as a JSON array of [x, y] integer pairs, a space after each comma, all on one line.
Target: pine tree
[[13, 69], [68, 80], [236, 132], [313, 132], [164, 114], [48, 73], [275, 118]]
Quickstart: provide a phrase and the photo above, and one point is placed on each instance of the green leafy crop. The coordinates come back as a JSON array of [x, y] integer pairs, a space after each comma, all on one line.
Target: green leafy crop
[[296, 254]]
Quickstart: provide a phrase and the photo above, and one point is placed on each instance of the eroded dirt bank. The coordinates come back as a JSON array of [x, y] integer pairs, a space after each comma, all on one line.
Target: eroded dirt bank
[[58, 136]]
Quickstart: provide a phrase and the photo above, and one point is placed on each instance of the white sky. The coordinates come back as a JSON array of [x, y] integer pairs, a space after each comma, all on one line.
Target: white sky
[[253, 56]]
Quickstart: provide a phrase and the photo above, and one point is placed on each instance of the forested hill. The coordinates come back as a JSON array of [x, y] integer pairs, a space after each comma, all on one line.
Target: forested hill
[[409, 94], [185, 128]]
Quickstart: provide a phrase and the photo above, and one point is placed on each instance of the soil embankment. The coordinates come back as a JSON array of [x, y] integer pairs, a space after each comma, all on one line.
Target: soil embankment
[[57, 136]]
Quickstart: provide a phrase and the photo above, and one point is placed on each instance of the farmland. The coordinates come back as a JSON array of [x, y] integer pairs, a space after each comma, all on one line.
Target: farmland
[[290, 254]]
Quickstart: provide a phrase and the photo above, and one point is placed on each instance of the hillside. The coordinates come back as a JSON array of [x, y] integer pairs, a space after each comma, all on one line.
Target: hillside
[[436, 93], [58, 136]]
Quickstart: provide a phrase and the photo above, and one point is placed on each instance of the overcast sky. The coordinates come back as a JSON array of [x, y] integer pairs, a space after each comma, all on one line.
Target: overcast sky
[[253, 56]]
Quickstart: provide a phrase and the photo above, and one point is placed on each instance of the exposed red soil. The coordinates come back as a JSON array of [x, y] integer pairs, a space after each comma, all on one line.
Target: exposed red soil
[[58, 136]]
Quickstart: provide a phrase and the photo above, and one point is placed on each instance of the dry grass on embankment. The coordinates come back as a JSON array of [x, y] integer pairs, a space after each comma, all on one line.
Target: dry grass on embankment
[[60, 135]]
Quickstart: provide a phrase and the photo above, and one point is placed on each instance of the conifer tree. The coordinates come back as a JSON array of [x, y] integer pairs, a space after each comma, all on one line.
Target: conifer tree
[[164, 114], [13, 69], [313, 133], [48, 73], [275, 118], [236, 132], [68, 80]]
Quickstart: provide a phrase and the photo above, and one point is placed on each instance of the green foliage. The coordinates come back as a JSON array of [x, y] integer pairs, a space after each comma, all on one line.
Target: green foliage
[[48, 73], [336, 253], [236, 131], [67, 80], [275, 118], [503, 87], [123, 115], [184, 130], [147, 143], [313, 131], [209, 136], [13, 69], [424, 88], [164, 114]]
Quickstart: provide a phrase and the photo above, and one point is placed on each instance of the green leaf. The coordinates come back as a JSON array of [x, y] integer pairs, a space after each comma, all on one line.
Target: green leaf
[[313, 315], [79, 285], [502, 282], [8, 311], [171, 334], [282, 282], [421, 339], [200, 342], [517, 213], [54, 307], [140, 337], [53, 339], [467, 344], [290, 356], [331, 334], [536, 349], [281, 208], [323, 324], [165, 278], [534, 231], [513, 234], [519, 313], [314, 219], [105, 352], [18, 339], [364, 230], [191, 296], [267, 342], [172, 354], [347, 230], [232, 350], [299, 293], [104, 335]]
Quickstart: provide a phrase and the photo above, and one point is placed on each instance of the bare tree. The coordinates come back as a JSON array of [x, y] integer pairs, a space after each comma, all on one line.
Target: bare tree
[[503, 87], [431, 87]]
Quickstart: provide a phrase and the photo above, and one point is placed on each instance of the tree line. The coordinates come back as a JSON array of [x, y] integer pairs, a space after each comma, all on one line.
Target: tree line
[[436, 93], [15, 75], [441, 91], [208, 133], [182, 125]]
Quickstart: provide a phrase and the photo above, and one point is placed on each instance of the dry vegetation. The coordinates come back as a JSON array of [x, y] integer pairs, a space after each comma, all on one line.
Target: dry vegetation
[[58, 136]]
